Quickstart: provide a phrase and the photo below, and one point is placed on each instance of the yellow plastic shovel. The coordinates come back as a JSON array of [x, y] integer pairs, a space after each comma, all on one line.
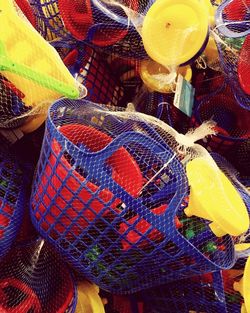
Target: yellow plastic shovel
[[213, 197], [30, 63]]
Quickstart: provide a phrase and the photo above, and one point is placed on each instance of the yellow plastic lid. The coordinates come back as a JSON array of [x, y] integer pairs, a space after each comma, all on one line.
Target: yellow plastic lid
[[174, 31], [213, 197], [149, 70], [89, 300], [243, 287]]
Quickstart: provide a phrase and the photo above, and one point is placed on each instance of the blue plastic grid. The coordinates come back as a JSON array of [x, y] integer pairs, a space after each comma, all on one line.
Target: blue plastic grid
[[48, 20], [231, 120], [91, 69], [12, 201], [104, 198], [48, 287], [67, 21]]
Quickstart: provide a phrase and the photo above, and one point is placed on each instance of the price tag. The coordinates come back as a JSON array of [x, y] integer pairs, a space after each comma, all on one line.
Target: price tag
[[184, 96]]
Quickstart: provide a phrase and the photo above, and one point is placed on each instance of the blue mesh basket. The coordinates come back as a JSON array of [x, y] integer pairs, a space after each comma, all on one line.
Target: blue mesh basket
[[232, 121], [34, 279], [12, 200], [104, 197], [91, 69], [209, 293], [93, 21], [232, 19]]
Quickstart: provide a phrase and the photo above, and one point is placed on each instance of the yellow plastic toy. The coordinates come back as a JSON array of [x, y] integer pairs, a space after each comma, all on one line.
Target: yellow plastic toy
[[211, 51], [174, 31], [213, 197], [243, 287], [89, 300], [30, 63], [149, 71], [242, 246]]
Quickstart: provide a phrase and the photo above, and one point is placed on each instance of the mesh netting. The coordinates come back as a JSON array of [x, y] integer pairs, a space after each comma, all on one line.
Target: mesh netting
[[12, 200], [97, 22], [241, 158], [232, 121], [33, 279], [110, 194], [232, 36], [206, 80], [32, 75], [208, 293], [161, 106], [26, 9], [211, 293], [92, 70]]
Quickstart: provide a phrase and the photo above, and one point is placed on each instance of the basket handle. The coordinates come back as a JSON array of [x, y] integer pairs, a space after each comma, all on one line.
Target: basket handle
[[119, 142], [221, 23], [135, 204]]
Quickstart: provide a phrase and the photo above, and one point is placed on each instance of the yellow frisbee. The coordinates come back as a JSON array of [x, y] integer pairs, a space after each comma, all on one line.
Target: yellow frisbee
[[150, 73], [174, 31], [213, 197]]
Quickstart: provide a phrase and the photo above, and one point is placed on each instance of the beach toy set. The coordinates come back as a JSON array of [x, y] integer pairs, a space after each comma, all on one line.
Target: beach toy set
[[111, 193], [124, 164]]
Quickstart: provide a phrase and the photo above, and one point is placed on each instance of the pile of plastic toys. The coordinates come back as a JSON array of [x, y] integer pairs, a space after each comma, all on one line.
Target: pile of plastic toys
[[124, 156]]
